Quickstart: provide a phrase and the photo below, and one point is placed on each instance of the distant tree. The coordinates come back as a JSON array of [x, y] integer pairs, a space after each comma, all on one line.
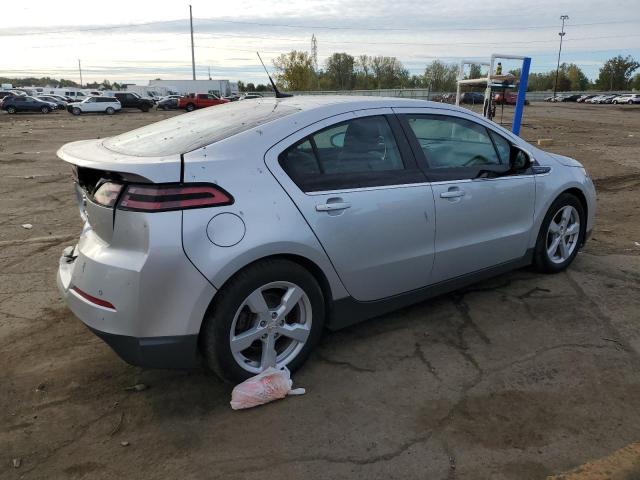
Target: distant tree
[[616, 73], [440, 76], [339, 71], [475, 71], [241, 86], [635, 83], [263, 88], [576, 77], [250, 87], [295, 71]]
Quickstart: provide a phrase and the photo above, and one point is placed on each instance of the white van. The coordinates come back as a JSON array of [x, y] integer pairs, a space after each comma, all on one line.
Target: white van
[[74, 94]]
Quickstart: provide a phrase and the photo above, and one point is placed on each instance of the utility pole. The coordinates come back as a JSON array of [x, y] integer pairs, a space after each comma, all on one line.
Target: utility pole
[[80, 70], [193, 55], [562, 34]]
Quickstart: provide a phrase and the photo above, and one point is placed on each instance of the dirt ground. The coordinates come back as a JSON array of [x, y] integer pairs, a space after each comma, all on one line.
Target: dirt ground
[[521, 377]]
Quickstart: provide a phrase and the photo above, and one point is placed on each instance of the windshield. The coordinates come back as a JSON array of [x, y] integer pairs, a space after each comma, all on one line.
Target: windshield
[[187, 132]]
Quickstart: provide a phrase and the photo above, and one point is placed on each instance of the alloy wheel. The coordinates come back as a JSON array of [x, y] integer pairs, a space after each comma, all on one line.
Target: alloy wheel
[[270, 327], [563, 234]]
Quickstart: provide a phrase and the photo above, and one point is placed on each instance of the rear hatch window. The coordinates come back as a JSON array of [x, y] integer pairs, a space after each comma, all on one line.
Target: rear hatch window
[[188, 132]]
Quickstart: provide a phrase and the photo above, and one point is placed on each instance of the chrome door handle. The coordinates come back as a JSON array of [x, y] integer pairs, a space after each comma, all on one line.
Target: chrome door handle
[[332, 207], [452, 194]]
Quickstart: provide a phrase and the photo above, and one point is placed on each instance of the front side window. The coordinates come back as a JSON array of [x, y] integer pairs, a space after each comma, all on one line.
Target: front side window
[[356, 153], [452, 142]]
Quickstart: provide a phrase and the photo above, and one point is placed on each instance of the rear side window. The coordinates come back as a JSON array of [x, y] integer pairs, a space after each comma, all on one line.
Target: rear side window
[[362, 152], [185, 133]]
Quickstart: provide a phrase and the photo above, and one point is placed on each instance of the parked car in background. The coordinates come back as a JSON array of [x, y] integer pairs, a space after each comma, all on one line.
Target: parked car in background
[[233, 98], [608, 99], [266, 222], [192, 101], [510, 98], [25, 103], [133, 100], [473, 98], [571, 98], [60, 104], [584, 98], [108, 105], [628, 98], [6, 93], [168, 103]]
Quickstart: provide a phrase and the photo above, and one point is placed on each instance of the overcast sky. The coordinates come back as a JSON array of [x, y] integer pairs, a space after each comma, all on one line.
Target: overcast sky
[[135, 41]]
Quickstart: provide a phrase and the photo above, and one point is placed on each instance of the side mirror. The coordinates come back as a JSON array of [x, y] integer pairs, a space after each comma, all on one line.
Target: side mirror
[[519, 159]]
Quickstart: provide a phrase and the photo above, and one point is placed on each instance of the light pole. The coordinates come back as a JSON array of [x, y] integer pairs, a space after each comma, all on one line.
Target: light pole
[[562, 34], [193, 55]]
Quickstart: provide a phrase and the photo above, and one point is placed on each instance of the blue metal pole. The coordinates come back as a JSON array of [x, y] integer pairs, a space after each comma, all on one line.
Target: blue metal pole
[[522, 92]]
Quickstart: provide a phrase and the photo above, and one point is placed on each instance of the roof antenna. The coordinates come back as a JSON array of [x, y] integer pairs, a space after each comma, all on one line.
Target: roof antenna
[[279, 94]]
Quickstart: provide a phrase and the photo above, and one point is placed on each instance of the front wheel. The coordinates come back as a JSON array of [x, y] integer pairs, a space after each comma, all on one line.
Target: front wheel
[[45, 109], [110, 111], [190, 108], [11, 110], [561, 234], [270, 314], [76, 111]]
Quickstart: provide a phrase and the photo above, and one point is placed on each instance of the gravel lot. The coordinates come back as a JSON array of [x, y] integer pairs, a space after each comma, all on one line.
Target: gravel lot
[[520, 377]]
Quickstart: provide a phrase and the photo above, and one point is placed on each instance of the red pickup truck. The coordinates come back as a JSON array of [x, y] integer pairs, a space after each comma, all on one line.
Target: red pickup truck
[[191, 101]]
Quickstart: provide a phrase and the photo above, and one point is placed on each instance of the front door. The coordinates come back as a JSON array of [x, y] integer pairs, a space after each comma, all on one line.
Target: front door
[[355, 181], [484, 216]]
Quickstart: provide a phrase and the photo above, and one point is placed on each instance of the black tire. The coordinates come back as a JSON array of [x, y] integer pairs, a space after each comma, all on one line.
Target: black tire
[[11, 110], [110, 111], [45, 110], [190, 107], [541, 260], [144, 109], [76, 111], [214, 336]]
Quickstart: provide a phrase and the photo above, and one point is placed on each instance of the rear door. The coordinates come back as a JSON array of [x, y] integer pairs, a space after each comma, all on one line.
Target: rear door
[[355, 181], [483, 217]]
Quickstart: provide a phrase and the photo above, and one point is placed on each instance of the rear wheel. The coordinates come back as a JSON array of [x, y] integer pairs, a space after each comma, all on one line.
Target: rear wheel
[[11, 109], [630, 102], [110, 111], [144, 109], [561, 234], [45, 109], [270, 314], [76, 111], [190, 107]]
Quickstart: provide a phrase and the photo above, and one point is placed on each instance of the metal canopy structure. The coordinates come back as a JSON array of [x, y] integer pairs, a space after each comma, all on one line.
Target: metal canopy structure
[[493, 81]]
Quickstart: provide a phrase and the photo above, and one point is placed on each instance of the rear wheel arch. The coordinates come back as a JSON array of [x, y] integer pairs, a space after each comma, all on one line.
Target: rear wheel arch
[[213, 329], [304, 262]]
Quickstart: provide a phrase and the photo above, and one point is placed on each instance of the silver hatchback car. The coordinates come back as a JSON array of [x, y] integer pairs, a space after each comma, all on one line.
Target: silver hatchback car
[[237, 233]]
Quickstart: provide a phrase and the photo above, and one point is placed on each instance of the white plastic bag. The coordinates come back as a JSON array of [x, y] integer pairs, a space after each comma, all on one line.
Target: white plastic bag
[[267, 386]]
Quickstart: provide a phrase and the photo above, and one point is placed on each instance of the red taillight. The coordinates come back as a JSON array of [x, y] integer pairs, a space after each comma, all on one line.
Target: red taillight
[[162, 198], [92, 299]]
